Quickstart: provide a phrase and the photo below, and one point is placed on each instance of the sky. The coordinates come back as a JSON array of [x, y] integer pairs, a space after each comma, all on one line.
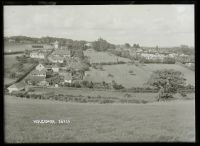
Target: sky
[[148, 25]]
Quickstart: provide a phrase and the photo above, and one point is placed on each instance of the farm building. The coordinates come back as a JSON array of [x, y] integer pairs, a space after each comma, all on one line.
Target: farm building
[[89, 44], [56, 59], [152, 56], [56, 44], [17, 87], [38, 55], [37, 46], [63, 53], [41, 73], [55, 68], [40, 67]]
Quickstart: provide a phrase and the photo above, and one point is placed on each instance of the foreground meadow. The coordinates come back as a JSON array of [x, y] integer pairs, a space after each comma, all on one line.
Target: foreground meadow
[[163, 121]]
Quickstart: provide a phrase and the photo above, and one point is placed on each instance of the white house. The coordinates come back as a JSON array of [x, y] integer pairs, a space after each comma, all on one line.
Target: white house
[[56, 44], [55, 68], [56, 59], [62, 53], [16, 87], [39, 73], [39, 67], [38, 55], [152, 56]]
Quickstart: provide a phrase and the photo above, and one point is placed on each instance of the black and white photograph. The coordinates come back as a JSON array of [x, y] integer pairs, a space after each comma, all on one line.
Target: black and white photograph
[[99, 73]]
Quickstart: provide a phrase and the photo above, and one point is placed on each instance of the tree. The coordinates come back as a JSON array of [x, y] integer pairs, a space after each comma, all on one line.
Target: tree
[[102, 45], [136, 46], [127, 45], [168, 81]]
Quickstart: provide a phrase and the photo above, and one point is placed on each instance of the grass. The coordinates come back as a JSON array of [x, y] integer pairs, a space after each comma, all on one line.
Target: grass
[[14, 47], [141, 74], [11, 66], [103, 57], [10, 60], [173, 121]]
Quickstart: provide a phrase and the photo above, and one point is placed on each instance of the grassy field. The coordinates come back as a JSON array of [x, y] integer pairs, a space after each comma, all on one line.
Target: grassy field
[[14, 47], [103, 57], [11, 66], [10, 60], [142, 74], [164, 121]]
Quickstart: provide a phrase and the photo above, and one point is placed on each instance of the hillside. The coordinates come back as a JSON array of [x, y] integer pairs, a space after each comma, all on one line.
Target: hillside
[[171, 121], [141, 74]]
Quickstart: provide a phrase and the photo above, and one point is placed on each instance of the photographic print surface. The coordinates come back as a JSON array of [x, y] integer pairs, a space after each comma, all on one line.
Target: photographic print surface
[[99, 73]]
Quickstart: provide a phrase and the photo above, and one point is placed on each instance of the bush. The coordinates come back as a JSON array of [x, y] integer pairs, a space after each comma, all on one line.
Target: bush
[[106, 101], [118, 87]]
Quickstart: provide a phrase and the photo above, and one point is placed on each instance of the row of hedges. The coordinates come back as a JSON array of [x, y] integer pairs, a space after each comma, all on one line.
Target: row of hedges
[[78, 99], [109, 63]]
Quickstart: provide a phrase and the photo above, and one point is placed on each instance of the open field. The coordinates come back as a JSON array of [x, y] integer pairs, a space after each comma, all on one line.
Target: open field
[[15, 47], [10, 60], [103, 57], [142, 73], [169, 121], [11, 65]]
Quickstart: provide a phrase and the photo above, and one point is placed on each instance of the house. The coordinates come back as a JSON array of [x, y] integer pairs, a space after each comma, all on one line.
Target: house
[[88, 44], [63, 53], [17, 87], [149, 56], [41, 73], [172, 55], [40, 67], [56, 59], [38, 55], [37, 46], [56, 44], [55, 68]]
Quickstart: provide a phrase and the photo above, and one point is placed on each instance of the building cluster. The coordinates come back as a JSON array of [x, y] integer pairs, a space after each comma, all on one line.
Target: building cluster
[[153, 54], [56, 67]]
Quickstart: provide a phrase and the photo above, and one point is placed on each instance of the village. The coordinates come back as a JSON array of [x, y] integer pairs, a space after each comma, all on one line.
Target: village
[[58, 67], [99, 72]]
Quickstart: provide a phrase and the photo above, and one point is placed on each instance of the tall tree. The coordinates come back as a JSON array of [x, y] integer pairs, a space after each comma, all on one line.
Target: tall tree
[[167, 81]]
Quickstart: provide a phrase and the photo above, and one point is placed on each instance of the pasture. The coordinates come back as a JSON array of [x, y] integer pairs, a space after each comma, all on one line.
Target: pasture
[[153, 122], [103, 57], [10, 60], [139, 76], [11, 65], [15, 47]]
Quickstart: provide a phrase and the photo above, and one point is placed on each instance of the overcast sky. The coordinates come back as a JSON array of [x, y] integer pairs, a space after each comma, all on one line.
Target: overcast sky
[[148, 25]]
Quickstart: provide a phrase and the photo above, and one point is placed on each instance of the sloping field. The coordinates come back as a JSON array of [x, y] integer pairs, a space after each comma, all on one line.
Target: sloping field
[[103, 57], [15, 47], [122, 75], [169, 121], [10, 60]]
